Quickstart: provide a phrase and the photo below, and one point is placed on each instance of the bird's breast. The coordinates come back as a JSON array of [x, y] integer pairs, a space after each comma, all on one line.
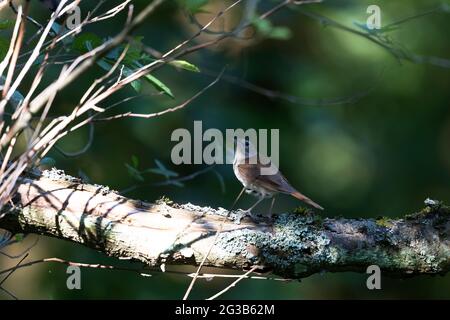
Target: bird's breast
[[239, 176]]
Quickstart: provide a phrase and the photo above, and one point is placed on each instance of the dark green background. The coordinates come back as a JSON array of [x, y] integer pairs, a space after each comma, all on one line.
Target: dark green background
[[381, 155]]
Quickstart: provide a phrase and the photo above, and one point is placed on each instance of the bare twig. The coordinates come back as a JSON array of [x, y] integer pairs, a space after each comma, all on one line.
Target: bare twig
[[209, 276], [37, 24], [71, 263], [85, 147], [9, 293], [169, 181], [15, 55], [68, 209], [11, 270], [245, 275], [25, 251], [160, 113]]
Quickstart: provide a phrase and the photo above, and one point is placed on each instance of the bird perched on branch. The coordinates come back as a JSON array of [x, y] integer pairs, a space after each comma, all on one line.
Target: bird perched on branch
[[248, 166], [51, 4]]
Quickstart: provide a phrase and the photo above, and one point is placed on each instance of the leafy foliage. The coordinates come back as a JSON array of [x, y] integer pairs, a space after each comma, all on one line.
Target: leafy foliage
[[134, 59], [160, 169], [267, 30]]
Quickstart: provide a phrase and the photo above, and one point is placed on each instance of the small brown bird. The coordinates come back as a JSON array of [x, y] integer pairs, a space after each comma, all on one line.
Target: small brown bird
[[247, 166]]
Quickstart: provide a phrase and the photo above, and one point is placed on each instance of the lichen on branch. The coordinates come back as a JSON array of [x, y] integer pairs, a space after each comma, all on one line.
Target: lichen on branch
[[291, 245]]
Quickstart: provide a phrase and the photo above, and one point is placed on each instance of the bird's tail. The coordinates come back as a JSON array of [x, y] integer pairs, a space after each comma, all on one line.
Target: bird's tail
[[303, 198]]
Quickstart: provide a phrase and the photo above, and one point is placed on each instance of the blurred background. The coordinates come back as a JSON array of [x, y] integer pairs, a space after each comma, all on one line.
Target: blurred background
[[363, 133]]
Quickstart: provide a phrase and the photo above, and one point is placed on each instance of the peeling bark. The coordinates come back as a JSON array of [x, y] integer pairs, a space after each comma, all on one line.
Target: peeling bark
[[291, 245]]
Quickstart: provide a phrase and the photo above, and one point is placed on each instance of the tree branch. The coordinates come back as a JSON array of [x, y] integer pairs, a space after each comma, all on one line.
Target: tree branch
[[290, 245]]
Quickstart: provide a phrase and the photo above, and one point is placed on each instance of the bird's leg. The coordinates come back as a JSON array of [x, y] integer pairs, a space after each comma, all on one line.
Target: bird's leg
[[249, 210], [271, 206], [237, 198]]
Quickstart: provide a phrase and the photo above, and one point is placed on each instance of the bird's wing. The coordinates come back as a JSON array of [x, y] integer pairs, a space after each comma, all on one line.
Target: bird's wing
[[249, 171], [275, 182]]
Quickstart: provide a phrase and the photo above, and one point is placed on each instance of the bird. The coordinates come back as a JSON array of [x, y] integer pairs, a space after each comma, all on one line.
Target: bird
[[247, 166]]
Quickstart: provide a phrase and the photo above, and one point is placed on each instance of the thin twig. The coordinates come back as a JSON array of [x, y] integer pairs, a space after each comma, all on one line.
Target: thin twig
[[209, 276], [169, 181], [160, 113], [82, 150], [194, 48], [23, 252], [15, 55], [9, 293], [70, 263], [37, 24], [233, 284], [11, 270]]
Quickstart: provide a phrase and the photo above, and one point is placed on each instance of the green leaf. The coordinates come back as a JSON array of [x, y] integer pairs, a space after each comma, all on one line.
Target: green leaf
[[19, 237], [39, 60], [177, 184], [48, 162], [114, 54], [56, 27], [182, 64], [6, 24], [134, 52], [16, 98], [135, 161], [193, 6], [146, 58], [280, 33], [263, 26], [166, 173], [159, 85], [135, 174], [136, 84], [160, 164], [156, 82], [162, 170], [106, 65], [266, 29], [86, 40]]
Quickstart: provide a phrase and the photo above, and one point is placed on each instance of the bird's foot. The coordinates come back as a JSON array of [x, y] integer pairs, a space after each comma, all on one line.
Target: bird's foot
[[248, 213]]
